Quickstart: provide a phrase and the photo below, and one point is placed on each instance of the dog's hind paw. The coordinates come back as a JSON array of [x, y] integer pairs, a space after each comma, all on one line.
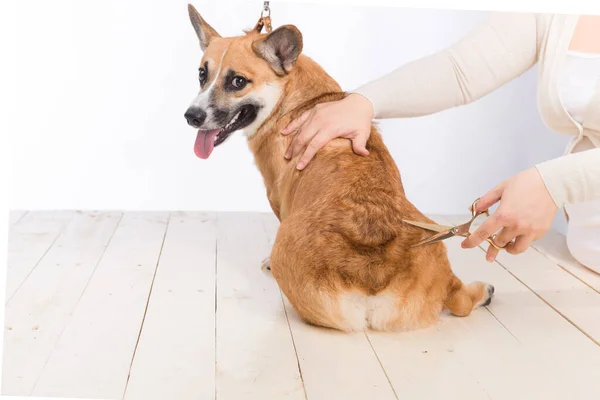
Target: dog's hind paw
[[489, 294]]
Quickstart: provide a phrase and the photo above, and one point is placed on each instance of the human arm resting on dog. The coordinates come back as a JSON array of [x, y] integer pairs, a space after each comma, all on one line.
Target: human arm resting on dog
[[488, 57]]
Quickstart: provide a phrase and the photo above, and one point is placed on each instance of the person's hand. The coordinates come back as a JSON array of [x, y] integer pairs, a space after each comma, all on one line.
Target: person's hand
[[525, 214], [347, 118]]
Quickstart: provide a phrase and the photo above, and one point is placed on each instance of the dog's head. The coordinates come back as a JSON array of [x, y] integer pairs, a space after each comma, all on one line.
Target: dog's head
[[241, 80]]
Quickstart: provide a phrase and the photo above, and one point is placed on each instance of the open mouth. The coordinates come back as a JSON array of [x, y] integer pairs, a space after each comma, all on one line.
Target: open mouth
[[207, 140]]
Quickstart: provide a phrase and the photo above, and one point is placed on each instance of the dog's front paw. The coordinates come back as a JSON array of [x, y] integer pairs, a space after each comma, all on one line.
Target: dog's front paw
[[265, 265]]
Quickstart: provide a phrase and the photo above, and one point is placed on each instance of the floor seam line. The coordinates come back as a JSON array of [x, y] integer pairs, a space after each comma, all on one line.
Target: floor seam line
[[381, 365], [565, 269], [137, 342], [20, 218], [501, 323], [293, 344], [40, 259]]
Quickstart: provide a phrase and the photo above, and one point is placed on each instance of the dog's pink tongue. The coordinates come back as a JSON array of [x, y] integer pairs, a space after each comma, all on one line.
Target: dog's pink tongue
[[205, 143]]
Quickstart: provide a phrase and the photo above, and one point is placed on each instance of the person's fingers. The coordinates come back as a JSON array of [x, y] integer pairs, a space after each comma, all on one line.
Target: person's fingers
[[490, 198], [491, 254], [301, 140], [487, 229], [317, 142], [520, 244], [359, 145], [505, 236], [295, 124]]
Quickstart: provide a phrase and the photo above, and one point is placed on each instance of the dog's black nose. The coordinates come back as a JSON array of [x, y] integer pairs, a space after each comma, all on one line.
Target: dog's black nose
[[195, 116]]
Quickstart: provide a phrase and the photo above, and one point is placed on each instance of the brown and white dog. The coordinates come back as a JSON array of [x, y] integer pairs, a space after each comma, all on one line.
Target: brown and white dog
[[341, 255]]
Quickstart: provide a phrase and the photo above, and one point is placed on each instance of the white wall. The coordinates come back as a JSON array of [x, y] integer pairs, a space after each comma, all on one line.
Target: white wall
[[102, 88]]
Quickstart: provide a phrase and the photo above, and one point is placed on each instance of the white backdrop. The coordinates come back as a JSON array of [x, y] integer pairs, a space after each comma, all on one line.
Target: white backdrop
[[101, 88]]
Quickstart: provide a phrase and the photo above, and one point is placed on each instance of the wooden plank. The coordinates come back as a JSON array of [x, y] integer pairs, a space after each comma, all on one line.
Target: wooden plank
[[575, 300], [15, 216], [554, 246], [255, 353], [427, 364], [38, 312], [94, 353], [28, 241], [334, 364], [175, 357], [572, 359]]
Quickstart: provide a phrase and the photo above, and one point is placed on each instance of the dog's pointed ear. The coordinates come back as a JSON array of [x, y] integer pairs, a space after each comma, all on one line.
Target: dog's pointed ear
[[281, 48], [204, 31]]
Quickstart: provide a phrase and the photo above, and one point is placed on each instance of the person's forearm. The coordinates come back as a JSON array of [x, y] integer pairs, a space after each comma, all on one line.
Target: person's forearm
[[573, 178], [489, 56], [421, 87]]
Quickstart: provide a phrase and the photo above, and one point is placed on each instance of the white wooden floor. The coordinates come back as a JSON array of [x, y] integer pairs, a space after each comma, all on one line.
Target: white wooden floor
[[144, 306]]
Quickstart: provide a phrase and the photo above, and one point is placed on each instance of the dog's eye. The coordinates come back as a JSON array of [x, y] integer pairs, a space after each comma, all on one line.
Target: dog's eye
[[202, 75], [238, 82]]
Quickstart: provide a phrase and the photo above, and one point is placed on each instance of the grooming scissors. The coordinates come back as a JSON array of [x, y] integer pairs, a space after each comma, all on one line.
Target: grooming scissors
[[444, 232]]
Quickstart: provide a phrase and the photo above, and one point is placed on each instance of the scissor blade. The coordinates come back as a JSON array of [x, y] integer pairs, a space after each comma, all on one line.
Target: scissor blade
[[429, 227], [436, 238]]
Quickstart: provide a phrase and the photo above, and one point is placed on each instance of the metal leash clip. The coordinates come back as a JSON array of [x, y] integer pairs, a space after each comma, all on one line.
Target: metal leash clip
[[265, 19]]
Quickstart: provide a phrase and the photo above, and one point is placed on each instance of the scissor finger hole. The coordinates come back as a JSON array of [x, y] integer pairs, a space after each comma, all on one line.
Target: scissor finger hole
[[497, 245]]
